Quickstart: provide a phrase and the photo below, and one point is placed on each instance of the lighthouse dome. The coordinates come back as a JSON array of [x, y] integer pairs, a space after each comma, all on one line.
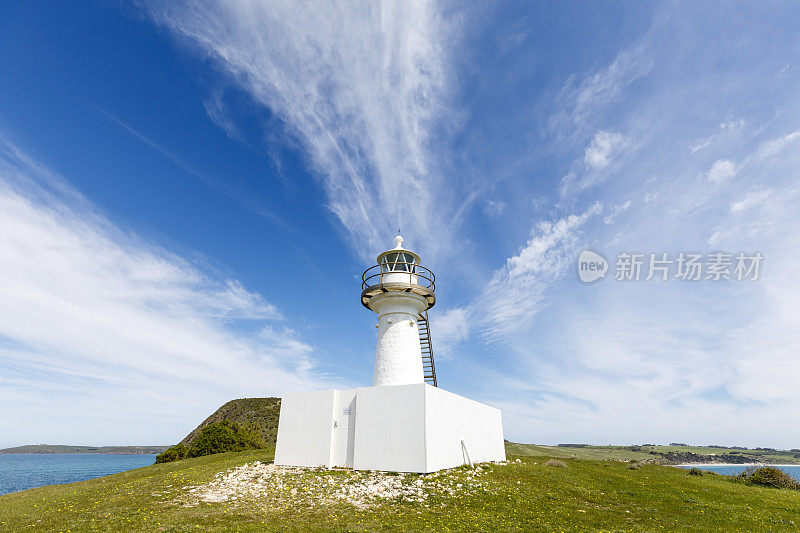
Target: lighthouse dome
[[398, 259]]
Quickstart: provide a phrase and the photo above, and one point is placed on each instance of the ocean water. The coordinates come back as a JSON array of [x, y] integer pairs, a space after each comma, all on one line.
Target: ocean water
[[26, 471], [732, 470]]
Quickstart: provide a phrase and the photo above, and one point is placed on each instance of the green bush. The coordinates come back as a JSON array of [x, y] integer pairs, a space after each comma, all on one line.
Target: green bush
[[694, 471], [216, 437], [769, 476], [224, 436], [172, 454]]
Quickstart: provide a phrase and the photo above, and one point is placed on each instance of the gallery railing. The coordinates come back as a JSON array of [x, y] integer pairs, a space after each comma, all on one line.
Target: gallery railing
[[398, 272]]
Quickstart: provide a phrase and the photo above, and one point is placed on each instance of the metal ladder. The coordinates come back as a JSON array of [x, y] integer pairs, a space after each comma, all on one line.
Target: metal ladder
[[428, 369]]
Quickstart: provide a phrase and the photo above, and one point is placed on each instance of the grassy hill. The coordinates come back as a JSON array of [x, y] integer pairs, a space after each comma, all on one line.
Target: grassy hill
[[259, 414], [65, 448], [244, 424], [535, 494], [660, 454]]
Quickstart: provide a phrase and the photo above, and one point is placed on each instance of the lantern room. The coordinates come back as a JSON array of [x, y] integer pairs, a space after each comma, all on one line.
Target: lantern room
[[398, 270]]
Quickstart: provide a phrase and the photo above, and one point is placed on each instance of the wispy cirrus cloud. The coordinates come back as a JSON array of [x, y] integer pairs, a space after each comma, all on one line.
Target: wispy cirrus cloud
[[583, 98], [751, 199], [514, 295], [94, 319], [517, 291], [362, 86], [730, 125], [774, 146]]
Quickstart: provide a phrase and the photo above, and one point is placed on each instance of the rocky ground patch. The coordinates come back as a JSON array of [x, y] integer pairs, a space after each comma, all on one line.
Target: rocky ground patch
[[278, 486]]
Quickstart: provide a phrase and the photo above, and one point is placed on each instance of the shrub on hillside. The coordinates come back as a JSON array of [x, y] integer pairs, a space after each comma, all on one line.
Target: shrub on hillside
[[556, 463], [172, 454], [769, 476], [216, 437], [694, 471], [224, 436]]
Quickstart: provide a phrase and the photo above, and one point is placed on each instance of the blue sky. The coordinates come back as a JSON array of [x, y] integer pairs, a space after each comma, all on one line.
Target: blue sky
[[189, 193]]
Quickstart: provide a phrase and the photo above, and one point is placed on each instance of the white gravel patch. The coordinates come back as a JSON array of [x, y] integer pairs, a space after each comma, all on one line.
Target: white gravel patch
[[279, 486]]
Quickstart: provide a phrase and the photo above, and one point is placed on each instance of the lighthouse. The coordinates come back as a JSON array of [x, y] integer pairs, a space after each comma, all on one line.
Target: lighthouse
[[400, 291], [404, 422]]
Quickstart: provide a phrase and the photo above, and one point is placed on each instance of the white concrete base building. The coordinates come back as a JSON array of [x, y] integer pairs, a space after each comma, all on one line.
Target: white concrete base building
[[401, 423], [401, 428]]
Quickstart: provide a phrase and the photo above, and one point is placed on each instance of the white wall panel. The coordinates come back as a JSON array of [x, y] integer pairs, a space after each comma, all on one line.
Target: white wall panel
[[406, 436], [450, 419], [304, 429], [372, 429]]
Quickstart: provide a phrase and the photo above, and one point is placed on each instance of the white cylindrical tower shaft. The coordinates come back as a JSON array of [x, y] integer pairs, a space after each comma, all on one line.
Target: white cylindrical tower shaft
[[398, 358]]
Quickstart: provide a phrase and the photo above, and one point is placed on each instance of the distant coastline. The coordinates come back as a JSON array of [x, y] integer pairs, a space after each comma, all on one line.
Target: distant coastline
[[66, 448], [734, 464]]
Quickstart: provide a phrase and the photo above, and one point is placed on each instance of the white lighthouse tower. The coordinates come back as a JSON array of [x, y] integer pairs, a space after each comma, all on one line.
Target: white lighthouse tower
[[400, 290], [404, 422]]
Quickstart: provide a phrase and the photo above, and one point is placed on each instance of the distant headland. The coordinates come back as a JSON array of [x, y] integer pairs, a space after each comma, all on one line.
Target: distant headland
[[66, 448]]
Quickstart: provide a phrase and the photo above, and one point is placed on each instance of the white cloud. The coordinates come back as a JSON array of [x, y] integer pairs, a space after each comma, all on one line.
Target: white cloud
[[616, 211], [361, 86], [582, 101], [516, 292], [451, 329], [772, 147], [117, 339], [699, 145], [514, 295], [751, 199], [598, 156], [721, 171], [731, 125], [218, 113], [603, 146]]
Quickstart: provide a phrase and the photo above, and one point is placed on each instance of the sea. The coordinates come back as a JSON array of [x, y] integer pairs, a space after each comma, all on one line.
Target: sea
[[26, 471], [732, 470]]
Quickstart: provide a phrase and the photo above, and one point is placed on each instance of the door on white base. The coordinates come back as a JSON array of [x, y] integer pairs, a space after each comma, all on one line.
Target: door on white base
[[344, 428]]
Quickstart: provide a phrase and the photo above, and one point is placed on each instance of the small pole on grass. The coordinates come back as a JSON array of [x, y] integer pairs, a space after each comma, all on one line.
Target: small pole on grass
[[464, 449]]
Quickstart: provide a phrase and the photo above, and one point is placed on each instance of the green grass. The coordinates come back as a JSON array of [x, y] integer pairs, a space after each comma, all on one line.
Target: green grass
[[765, 456], [599, 453], [584, 495], [624, 453]]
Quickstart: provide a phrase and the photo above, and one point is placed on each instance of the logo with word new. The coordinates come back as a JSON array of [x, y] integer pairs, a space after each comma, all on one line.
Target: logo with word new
[[591, 266]]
